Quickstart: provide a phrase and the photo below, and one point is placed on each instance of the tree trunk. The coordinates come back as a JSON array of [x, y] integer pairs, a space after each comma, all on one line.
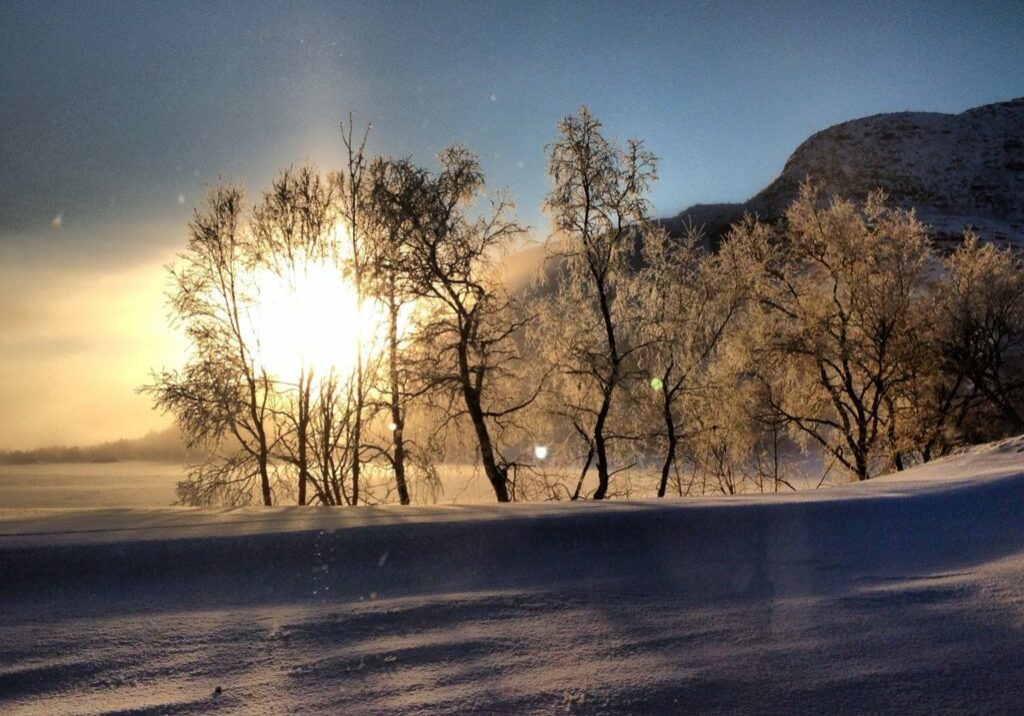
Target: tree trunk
[[263, 450], [495, 475], [601, 448], [897, 456], [265, 479], [400, 483], [583, 472], [324, 462], [303, 480], [302, 433], [263, 458], [670, 456], [397, 419], [357, 426], [861, 465]]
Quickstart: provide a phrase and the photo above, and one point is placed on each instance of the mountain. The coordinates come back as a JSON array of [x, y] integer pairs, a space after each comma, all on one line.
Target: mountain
[[956, 170]]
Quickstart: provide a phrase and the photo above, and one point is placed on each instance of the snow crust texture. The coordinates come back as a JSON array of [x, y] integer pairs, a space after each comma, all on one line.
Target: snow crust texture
[[902, 595]]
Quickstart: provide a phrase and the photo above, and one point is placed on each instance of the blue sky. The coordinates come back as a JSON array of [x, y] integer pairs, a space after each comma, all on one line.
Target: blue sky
[[115, 115], [112, 111]]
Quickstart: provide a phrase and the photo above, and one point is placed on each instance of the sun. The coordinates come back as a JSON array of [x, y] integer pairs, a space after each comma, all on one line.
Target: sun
[[309, 317]]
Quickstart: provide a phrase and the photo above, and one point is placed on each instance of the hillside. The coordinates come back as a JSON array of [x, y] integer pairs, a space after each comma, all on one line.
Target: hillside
[[957, 170], [160, 445], [904, 594]]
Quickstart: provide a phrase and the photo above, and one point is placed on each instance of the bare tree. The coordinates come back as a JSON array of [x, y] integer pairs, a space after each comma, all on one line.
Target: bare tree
[[469, 319], [599, 211], [353, 209], [222, 392], [294, 227]]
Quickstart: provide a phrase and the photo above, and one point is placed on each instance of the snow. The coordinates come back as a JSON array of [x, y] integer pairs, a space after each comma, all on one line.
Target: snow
[[957, 170], [904, 594], [105, 484]]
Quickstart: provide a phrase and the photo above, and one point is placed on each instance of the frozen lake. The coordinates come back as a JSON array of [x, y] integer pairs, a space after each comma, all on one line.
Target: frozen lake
[[114, 484], [141, 484]]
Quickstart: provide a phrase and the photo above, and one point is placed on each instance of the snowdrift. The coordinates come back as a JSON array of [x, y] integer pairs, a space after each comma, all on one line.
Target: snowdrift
[[960, 511], [903, 594]]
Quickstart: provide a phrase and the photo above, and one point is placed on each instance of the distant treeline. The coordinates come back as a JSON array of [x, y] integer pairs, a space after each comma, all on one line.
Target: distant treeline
[[162, 445]]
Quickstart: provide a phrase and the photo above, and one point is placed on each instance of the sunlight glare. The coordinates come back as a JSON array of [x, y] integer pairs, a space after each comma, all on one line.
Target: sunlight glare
[[310, 318]]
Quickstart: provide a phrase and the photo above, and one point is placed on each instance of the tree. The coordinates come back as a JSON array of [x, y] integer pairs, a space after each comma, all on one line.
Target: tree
[[985, 298], [353, 209], [469, 319], [396, 199], [599, 212], [332, 446], [843, 324], [692, 299], [970, 385], [222, 390], [293, 228]]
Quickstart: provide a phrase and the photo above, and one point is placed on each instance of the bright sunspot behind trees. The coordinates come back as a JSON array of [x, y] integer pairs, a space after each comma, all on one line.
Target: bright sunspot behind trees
[[353, 331]]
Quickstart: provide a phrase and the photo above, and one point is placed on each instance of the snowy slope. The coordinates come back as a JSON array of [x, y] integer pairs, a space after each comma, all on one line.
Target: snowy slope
[[957, 170], [901, 595]]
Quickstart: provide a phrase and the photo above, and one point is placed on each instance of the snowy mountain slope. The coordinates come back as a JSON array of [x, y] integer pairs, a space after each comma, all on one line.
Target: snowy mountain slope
[[901, 595], [956, 170]]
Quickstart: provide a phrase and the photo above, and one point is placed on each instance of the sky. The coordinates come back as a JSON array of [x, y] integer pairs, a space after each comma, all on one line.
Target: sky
[[116, 116]]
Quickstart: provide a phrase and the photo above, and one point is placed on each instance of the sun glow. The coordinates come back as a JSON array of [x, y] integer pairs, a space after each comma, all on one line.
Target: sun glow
[[310, 318]]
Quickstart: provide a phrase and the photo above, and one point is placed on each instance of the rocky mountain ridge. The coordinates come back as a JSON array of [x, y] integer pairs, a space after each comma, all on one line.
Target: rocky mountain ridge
[[957, 170]]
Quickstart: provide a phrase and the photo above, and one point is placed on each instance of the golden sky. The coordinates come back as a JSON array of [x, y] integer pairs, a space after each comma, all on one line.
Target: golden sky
[[75, 343]]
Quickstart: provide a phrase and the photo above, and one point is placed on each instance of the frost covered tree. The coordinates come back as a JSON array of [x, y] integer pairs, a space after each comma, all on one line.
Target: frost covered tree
[[691, 300], [468, 320], [984, 298], [222, 391], [293, 228], [397, 203], [599, 211], [734, 438], [353, 208], [842, 324], [969, 384]]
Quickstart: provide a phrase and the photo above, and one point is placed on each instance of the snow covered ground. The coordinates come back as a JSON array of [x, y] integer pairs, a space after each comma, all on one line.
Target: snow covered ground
[[901, 595]]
